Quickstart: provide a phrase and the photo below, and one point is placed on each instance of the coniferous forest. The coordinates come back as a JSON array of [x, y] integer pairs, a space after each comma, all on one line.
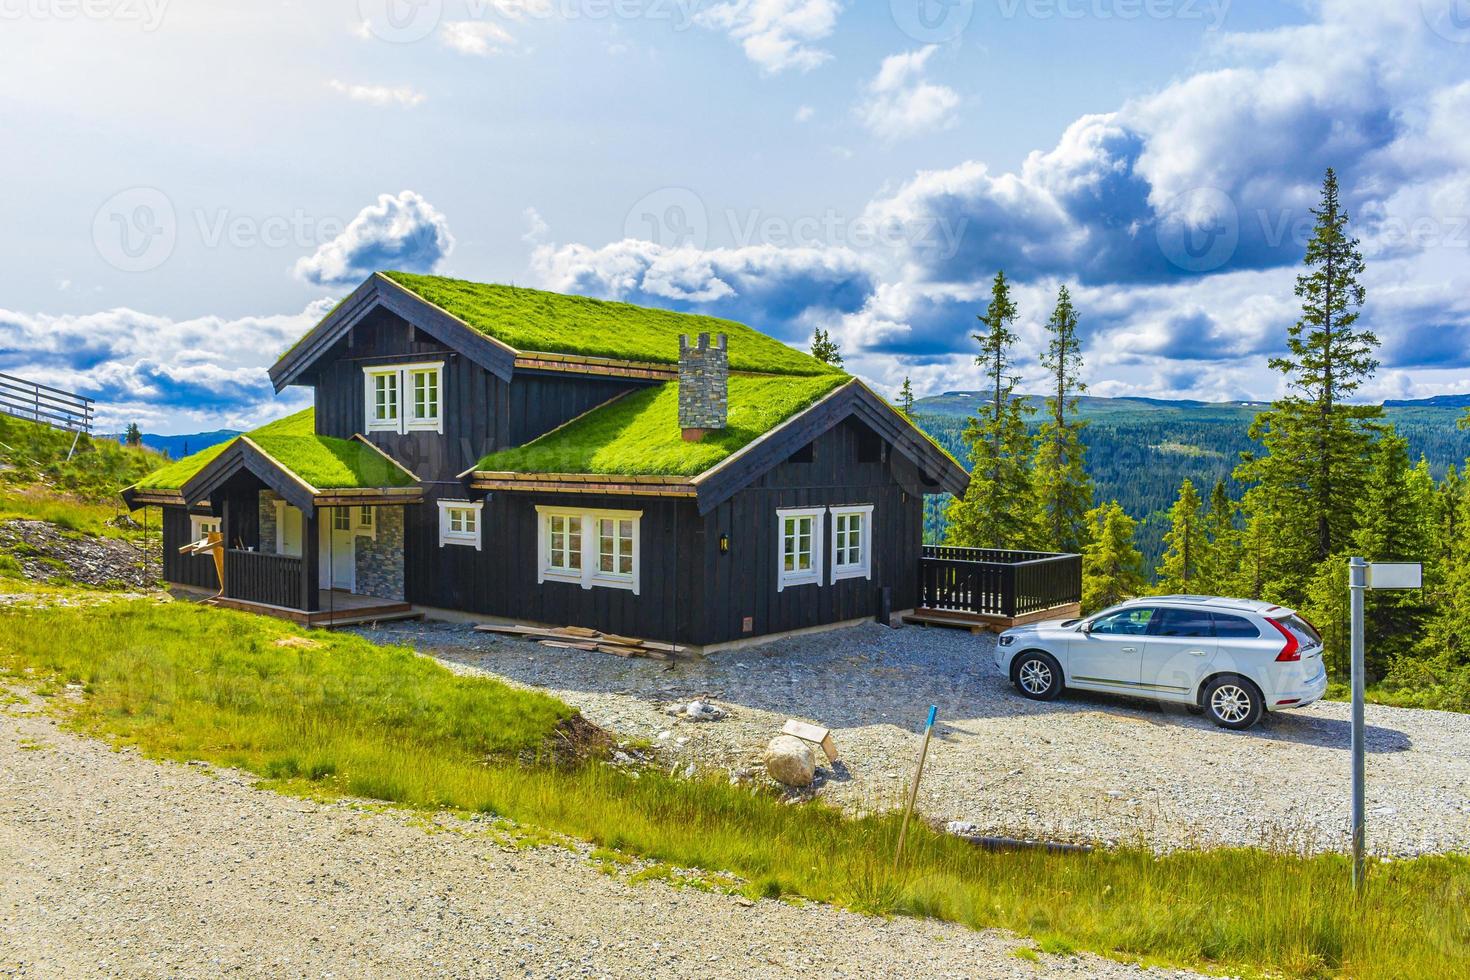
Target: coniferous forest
[[1253, 500]]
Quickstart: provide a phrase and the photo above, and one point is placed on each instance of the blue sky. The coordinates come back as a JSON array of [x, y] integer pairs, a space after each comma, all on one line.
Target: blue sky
[[190, 185]]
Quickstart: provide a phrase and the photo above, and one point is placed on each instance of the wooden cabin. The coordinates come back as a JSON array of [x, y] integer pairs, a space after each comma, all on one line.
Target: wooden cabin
[[496, 453]]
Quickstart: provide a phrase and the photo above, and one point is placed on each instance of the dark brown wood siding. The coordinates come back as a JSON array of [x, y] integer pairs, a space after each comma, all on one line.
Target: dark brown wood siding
[[192, 570]]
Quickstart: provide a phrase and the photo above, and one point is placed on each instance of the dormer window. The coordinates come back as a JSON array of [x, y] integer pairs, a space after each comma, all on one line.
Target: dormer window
[[404, 397]]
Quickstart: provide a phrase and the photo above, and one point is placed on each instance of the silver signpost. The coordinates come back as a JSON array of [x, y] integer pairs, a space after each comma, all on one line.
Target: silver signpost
[[1363, 576]]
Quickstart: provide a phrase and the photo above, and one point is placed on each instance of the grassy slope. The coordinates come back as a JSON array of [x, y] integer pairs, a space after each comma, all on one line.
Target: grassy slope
[[322, 461], [185, 682], [639, 433], [33, 455], [534, 320]]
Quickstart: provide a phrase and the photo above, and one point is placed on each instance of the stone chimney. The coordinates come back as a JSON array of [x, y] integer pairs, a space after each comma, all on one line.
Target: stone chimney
[[704, 386]]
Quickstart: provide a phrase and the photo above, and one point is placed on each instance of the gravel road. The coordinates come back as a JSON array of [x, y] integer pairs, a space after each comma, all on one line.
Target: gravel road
[[112, 865], [1088, 768]]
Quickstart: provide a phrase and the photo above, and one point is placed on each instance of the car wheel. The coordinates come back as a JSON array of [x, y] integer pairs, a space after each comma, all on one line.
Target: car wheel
[[1038, 676], [1232, 702]]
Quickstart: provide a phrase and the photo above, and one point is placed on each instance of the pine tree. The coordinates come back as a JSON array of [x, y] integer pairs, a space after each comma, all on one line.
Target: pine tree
[[1112, 568], [1063, 490], [825, 349], [1318, 447], [1186, 543], [1392, 527], [134, 436], [996, 510], [906, 399], [1448, 641], [1221, 566]]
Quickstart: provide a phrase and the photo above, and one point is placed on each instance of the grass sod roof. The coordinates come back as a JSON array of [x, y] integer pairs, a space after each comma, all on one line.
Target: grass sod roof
[[639, 434], [536, 321], [324, 462]]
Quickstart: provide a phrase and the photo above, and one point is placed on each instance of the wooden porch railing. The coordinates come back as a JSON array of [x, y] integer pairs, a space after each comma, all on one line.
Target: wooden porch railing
[[996, 582], [271, 579]]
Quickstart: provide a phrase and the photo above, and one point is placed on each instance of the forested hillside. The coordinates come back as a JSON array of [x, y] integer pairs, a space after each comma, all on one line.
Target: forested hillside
[[1139, 450]]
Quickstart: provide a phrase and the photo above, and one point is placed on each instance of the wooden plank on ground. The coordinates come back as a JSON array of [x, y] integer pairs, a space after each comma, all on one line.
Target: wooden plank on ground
[[815, 734], [565, 645]]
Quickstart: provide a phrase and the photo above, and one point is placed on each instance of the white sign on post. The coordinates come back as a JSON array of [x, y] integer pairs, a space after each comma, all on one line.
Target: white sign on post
[[1395, 575]]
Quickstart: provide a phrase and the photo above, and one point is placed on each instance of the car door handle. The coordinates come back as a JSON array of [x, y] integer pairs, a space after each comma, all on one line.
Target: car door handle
[[1130, 649]]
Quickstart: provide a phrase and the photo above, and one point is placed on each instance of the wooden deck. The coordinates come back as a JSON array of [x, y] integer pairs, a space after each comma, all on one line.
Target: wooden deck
[[980, 622], [337, 609]]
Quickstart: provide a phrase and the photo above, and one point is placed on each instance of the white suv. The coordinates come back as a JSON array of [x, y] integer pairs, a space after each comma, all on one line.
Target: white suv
[[1230, 658]]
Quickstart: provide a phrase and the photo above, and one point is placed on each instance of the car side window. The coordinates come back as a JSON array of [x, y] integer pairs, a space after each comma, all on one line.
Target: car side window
[[1125, 622], [1235, 628], [1183, 623]]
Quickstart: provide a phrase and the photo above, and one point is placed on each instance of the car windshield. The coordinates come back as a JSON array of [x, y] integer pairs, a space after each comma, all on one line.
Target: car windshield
[[1301, 629]]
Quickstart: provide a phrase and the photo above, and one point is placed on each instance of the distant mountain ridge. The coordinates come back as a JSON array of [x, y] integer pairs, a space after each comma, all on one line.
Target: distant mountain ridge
[[965, 402], [177, 447]]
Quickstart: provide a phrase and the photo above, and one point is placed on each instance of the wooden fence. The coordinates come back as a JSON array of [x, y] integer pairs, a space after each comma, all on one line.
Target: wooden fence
[[49, 406], [256, 577], [996, 582]]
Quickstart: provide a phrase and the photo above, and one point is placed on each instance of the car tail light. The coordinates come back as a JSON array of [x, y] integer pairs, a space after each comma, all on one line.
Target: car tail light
[[1293, 650]]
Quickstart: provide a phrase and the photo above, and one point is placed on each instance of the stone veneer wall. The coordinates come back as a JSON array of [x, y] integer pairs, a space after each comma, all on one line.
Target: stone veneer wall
[[268, 500], [380, 558]]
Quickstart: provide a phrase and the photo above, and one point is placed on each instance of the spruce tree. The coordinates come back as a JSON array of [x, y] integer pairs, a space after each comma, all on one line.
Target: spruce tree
[[906, 399], [1063, 490], [1221, 567], [1317, 446], [1392, 527], [1112, 568], [134, 435], [1447, 644], [825, 349], [1185, 543], [996, 510]]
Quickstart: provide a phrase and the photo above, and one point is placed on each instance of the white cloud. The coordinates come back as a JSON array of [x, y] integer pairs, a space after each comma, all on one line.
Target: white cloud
[[776, 34], [379, 95], [476, 37], [403, 232], [805, 114], [901, 104]]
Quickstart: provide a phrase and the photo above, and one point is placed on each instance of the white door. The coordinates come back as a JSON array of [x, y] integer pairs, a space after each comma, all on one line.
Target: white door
[[1110, 655], [1180, 648], [338, 559], [288, 530]]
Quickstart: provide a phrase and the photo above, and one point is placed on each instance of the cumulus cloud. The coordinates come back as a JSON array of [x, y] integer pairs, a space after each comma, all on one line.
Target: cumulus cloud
[[899, 103], [403, 232], [776, 34], [379, 95], [778, 290], [476, 37], [165, 374]]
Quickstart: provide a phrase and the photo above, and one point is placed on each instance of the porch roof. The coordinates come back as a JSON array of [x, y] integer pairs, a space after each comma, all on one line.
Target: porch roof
[[289, 457]]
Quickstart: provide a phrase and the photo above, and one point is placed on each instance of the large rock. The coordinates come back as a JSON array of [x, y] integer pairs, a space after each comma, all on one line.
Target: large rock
[[791, 761]]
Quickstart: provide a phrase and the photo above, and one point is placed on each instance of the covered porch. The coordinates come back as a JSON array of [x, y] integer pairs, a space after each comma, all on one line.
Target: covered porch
[[316, 556]]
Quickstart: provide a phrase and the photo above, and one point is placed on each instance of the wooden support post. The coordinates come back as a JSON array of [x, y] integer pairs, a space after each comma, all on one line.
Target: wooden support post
[[311, 565], [903, 830]]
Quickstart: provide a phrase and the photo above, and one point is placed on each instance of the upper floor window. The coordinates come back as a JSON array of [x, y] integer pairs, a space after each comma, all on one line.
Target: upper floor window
[[852, 542], [799, 543], [404, 397], [589, 547]]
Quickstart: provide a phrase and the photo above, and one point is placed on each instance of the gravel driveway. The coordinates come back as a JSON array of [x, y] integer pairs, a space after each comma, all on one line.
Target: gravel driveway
[[1086, 767], [112, 865]]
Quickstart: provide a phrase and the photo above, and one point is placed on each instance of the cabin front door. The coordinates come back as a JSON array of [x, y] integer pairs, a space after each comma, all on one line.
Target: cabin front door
[[338, 555]]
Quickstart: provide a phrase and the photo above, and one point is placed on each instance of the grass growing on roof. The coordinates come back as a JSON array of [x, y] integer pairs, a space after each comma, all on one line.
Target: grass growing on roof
[[535, 320], [322, 461], [639, 433], [332, 714]]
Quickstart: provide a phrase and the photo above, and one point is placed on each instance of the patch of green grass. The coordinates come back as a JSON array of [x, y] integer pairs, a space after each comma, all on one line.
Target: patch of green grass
[[1026, 953], [185, 682], [535, 320], [37, 455], [639, 433], [322, 461]]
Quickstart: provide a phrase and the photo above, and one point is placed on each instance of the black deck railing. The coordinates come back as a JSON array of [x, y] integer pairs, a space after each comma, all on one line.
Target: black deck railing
[[256, 577], [997, 582]]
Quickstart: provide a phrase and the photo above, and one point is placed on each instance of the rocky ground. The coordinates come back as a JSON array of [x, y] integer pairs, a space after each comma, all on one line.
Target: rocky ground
[[112, 865], [48, 553], [1085, 768]]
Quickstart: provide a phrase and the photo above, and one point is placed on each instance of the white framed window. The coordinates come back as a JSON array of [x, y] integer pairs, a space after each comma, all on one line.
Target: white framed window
[[202, 526], [459, 523], [365, 521], [852, 542], [588, 547], [404, 397], [799, 547], [341, 518]]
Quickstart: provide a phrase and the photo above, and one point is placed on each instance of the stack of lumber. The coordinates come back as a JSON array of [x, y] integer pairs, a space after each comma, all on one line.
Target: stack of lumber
[[582, 638]]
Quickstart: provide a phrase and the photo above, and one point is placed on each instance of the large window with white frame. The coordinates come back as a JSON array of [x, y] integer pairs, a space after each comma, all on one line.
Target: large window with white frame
[[588, 547], [852, 542], [799, 546], [459, 523], [202, 526], [404, 397]]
